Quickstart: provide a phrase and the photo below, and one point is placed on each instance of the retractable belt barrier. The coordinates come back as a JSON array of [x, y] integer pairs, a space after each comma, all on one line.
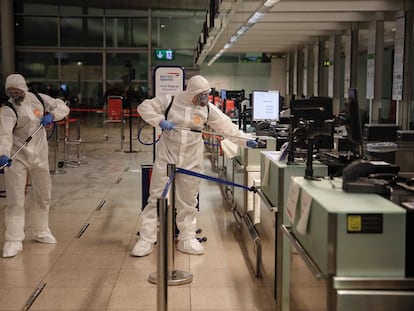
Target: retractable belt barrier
[[215, 179]]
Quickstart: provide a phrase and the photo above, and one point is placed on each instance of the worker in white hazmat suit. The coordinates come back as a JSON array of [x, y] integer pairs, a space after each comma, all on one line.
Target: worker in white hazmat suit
[[19, 121], [189, 109]]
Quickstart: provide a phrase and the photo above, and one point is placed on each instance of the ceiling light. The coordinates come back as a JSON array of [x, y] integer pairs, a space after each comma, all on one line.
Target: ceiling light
[[257, 15], [242, 30], [270, 3]]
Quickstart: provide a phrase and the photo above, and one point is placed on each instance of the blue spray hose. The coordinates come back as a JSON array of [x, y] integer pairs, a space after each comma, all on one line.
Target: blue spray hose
[[218, 180], [167, 186]]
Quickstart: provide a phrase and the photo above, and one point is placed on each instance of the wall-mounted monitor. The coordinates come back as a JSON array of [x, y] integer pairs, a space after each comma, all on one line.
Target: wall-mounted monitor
[[265, 105]]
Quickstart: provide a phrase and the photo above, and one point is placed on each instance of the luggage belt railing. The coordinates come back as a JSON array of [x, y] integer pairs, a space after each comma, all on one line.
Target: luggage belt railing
[[165, 274]]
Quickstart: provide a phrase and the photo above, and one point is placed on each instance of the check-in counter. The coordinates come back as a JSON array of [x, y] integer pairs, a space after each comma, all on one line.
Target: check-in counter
[[275, 179], [244, 169], [355, 242]]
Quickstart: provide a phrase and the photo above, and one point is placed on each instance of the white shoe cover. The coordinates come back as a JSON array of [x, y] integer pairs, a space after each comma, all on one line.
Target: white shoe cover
[[12, 248], [142, 248], [44, 236], [192, 246]]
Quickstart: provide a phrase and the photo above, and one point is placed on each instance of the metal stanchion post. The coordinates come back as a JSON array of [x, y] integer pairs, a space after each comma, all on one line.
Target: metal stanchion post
[[56, 169], [81, 150], [175, 277], [162, 261], [122, 132], [67, 145]]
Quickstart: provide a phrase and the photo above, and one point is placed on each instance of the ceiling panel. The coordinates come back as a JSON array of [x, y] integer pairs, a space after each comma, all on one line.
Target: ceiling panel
[[294, 23]]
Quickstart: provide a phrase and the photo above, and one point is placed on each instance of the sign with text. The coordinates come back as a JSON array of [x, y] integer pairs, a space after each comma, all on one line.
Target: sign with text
[[168, 80]]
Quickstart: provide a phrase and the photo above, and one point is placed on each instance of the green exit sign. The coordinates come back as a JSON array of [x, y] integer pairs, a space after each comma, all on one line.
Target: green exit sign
[[164, 54]]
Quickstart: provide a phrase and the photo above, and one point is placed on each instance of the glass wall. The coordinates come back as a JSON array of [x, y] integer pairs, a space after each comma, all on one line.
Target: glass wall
[[37, 66], [81, 31], [1, 66], [31, 30], [126, 32], [93, 50]]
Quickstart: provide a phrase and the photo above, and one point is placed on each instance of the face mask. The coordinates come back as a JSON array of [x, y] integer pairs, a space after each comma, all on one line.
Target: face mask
[[201, 99], [17, 96]]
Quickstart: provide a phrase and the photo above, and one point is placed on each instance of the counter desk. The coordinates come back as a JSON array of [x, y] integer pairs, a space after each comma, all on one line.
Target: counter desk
[[355, 242]]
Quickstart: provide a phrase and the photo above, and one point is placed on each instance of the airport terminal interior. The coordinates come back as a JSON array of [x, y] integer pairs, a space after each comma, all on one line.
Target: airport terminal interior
[[319, 216]]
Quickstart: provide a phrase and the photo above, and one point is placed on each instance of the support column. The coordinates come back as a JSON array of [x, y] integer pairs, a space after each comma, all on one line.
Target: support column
[[309, 81], [316, 65], [354, 55], [295, 73], [322, 87], [334, 70], [7, 37], [288, 76], [149, 55], [305, 71], [375, 59], [407, 108]]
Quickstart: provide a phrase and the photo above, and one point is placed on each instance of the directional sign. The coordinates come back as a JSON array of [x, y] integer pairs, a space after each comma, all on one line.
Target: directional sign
[[164, 54]]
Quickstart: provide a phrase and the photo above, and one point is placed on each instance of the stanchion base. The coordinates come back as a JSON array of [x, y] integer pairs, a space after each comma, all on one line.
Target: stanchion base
[[130, 151], [57, 172], [175, 277]]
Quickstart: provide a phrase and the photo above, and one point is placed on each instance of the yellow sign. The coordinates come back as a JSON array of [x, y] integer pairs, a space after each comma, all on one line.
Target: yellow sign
[[354, 223]]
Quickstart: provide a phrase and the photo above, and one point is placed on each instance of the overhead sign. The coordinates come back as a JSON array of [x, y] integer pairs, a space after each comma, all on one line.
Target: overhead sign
[[164, 54], [168, 80]]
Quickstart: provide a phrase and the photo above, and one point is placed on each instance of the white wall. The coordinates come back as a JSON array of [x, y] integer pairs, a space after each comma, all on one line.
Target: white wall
[[247, 76]]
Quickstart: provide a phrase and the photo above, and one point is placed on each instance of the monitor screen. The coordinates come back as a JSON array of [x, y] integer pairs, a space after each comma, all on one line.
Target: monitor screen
[[223, 94], [317, 109], [64, 88], [265, 105]]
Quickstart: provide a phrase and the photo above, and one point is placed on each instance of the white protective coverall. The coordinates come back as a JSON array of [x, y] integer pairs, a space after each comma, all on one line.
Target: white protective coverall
[[31, 161], [184, 149]]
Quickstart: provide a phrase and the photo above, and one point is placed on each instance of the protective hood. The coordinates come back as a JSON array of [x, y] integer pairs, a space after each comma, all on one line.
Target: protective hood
[[16, 81], [196, 85]]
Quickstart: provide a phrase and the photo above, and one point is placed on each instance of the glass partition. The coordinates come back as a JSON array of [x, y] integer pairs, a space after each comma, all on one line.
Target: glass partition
[[81, 31]]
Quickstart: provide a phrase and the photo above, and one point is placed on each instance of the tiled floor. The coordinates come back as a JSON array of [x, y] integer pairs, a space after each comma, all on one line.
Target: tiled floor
[[94, 270]]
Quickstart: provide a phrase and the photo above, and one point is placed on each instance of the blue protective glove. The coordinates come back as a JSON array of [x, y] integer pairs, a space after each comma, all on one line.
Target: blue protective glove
[[167, 125], [47, 119], [252, 143], [4, 161]]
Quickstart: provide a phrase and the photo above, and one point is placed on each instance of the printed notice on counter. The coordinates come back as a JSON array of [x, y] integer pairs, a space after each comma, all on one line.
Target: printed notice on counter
[[292, 200], [266, 173], [305, 207]]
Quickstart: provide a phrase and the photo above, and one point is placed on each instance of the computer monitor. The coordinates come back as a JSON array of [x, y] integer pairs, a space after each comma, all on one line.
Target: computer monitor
[[316, 110], [353, 122], [265, 105]]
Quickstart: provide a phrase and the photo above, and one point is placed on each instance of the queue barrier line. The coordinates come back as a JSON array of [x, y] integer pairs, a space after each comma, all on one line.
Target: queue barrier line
[[215, 179]]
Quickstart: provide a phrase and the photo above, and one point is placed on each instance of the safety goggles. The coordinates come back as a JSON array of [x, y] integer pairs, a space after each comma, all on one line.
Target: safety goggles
[[15, 93], [201, 99]]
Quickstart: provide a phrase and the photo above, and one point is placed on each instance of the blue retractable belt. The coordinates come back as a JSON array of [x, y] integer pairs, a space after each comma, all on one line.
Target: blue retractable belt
[[218, 180]]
